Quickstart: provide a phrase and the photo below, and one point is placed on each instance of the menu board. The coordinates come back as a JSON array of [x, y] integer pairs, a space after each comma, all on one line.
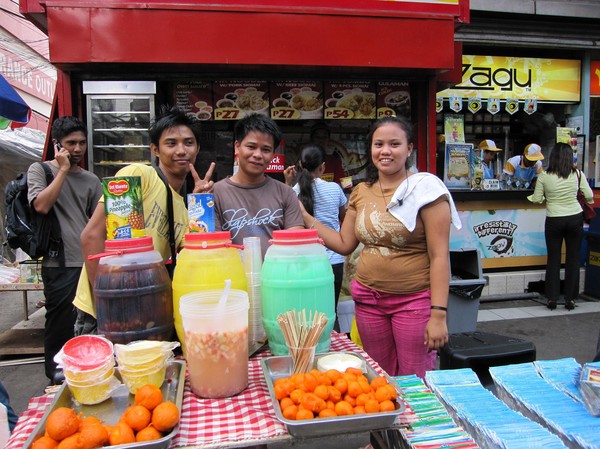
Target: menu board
[[194, 98], [293, 100], [234, 100], [350, 100], [393, 98]]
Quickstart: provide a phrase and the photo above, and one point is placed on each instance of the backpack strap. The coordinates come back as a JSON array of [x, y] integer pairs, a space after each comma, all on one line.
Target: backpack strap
[[56, 234], [170, 216]]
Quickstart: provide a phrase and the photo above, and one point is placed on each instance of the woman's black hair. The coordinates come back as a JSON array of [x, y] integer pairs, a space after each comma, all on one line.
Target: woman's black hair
[[311, 157], [560, 161], [372, 174]]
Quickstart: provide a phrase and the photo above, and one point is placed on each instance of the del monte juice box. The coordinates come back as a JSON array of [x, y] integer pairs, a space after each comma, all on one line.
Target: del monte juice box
[[123, 207]]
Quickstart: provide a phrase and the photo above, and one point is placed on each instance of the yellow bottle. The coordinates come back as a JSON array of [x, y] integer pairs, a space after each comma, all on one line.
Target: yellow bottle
[[205, 262]]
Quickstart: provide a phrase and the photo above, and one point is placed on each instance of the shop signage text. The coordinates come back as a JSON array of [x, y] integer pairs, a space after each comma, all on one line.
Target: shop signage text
[[505, 77], [26, 77]]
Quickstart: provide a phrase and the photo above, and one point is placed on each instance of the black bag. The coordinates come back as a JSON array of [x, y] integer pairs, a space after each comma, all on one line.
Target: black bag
[[36, 234], [588, 209]]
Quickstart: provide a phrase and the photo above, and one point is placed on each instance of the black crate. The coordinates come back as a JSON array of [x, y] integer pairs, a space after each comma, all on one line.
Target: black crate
[[480, 350]]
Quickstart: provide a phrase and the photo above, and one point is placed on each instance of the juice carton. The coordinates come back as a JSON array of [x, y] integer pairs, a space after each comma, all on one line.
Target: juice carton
[[201, 212], [123, 207]]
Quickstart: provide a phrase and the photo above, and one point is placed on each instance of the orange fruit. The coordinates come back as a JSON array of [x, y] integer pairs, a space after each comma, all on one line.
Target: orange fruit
[[290, 412], [149, 396], [359, 410], [372, 406], [62, 423], [379, 381], [285, 402], [364, 385], [310, 382], [304, 414], [330, 404], [333, 374], [137, 417], [362, 399], [349, 376], [71, 442], [341, 385], [350, 400], [322, 391], [312, 402], [280, 391], [354, 388], [121, 433], [327, 413], [93, 436], [392, 390], [383, 394], [343, 408], [89, 421], [44, 442], [165, 416], [387, 406], [148, 434], [296, 395], [334, 394]]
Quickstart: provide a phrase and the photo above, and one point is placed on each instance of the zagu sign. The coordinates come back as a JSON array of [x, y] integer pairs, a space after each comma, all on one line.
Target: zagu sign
[[523, 78]]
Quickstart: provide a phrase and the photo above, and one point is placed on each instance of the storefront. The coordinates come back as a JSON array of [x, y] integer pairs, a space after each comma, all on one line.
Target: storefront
[[510, 102], [302, 63]]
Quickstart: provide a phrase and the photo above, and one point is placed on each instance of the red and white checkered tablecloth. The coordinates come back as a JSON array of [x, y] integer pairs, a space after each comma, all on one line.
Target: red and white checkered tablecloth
[[248, 417]]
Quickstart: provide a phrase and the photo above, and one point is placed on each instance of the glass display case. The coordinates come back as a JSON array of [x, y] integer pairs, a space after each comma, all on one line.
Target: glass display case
[[118, 116]]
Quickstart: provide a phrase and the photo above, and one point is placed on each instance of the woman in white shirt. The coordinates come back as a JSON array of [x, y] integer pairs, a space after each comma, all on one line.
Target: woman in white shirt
[[325, 201], [558, 186]]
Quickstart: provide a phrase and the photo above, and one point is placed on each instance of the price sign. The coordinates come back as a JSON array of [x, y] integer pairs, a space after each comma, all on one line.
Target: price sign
[[284, 113], [383, 112], [227, 113], [338, 113]]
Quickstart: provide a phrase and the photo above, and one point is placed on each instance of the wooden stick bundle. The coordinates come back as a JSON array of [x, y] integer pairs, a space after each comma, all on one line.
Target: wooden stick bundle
[[301, 335]]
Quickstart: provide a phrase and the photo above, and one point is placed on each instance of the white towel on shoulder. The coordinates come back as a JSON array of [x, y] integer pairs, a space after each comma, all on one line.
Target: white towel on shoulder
[[415, 192]]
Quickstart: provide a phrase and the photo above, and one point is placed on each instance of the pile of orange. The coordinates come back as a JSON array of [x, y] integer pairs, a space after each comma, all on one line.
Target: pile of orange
[[331, 393], [148, 419]]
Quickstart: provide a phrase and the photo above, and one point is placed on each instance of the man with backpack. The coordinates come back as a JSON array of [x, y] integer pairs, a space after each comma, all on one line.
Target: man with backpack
[[73, 195]]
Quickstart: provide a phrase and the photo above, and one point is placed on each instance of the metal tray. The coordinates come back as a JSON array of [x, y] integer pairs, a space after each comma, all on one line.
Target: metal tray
[[281, 366], [110, 410]]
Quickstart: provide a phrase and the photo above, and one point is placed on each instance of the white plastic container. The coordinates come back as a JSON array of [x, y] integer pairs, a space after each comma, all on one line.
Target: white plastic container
[[216, 342]]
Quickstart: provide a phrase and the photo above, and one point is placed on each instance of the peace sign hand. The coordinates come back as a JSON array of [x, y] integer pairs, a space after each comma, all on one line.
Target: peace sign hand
[[203, 185]]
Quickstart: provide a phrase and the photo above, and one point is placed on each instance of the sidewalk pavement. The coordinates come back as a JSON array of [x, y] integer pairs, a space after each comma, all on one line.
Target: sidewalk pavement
[[556, 334]]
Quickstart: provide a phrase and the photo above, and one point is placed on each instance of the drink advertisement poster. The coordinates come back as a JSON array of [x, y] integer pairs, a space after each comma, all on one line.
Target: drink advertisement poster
[[195, 98], [393, 98], [296, 100], [501, 233], [454, 128], [457, 166], [568, 136], [234, 100], [350, 100]]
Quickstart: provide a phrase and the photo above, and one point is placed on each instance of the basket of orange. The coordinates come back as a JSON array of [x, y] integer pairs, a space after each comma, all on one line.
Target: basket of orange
[[327, 402]]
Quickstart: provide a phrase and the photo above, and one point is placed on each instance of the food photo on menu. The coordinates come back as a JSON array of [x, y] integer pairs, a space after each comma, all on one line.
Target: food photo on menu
[[234, 100]]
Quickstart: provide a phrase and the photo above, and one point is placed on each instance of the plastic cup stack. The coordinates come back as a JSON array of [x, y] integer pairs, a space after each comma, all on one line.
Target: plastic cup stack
[[252, 258]]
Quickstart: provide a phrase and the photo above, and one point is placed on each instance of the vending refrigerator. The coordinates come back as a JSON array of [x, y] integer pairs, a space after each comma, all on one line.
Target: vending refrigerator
[[118, 116]]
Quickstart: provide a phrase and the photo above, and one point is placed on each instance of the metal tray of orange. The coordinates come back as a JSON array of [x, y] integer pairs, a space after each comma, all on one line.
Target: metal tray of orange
[[111, 410], [281, 366]]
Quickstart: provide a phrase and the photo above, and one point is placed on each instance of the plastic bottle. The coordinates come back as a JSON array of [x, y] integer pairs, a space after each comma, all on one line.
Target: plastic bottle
[[296, 274], [132, 291], [205, 262]]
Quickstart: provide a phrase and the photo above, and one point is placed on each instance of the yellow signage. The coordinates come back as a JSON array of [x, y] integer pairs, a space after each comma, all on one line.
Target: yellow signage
[[522, 78]]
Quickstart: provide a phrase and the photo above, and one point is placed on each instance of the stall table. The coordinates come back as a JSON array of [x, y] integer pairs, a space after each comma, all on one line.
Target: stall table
[[23, 287], [245, 420]]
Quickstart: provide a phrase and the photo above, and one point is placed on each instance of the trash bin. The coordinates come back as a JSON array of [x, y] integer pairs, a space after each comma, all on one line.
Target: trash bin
[[466, 285]]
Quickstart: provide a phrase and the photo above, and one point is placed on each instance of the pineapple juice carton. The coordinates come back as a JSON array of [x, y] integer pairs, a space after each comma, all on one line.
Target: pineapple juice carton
[[201, 212], [123, 207]]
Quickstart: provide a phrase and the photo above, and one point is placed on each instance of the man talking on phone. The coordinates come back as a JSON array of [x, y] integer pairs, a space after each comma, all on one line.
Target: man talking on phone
[[73, 194]]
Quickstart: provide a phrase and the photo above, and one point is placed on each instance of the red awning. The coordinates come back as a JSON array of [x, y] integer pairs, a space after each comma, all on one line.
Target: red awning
[[385, 35]]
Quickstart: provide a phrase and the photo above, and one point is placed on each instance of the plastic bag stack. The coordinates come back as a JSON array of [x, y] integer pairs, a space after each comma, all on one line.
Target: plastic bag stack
[[523, 387], [490, 421]]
